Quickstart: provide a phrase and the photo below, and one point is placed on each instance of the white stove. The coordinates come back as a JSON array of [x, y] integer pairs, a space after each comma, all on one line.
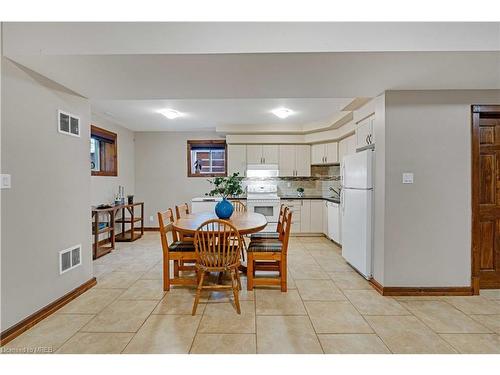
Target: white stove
[[263, 198]]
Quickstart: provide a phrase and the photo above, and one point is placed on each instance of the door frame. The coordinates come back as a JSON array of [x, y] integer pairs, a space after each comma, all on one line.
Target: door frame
[[477, 110]]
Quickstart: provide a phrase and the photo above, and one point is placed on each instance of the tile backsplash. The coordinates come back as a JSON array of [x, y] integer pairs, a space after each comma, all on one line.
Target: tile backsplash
[[322, 178]]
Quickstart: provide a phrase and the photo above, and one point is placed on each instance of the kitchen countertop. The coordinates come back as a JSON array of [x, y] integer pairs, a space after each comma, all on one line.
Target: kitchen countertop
[[330, 199], [319, 197]]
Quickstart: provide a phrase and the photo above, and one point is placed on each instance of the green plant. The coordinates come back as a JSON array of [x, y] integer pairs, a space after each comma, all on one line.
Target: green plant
[[300, 189], [225, 187]]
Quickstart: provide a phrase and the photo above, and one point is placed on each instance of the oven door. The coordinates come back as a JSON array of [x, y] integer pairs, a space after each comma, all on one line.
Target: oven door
[[270, 210]]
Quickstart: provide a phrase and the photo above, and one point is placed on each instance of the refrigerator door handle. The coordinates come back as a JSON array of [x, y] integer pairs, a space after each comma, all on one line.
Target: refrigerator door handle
[[342, 200]]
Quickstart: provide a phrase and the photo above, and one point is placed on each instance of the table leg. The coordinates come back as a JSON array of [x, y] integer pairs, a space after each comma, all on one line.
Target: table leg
[[132, 217], [112, 224], [96, 234]]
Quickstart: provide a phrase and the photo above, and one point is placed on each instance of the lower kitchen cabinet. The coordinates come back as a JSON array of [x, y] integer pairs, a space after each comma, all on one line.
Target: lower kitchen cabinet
[[316, 215], [307, 215]]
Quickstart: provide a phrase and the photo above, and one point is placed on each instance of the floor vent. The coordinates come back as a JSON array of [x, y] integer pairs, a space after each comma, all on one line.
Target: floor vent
[[70, 258], [68, 123]]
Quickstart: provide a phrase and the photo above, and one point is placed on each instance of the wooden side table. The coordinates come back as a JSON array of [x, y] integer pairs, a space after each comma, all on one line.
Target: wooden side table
[[99, 248], [131, 234]]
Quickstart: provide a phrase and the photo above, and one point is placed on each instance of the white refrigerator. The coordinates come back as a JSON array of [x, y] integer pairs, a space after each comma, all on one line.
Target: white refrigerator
[[357, 211]]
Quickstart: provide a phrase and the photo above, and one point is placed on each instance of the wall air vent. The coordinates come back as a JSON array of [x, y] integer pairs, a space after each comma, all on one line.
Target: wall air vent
[[68, 124], [70, 258]]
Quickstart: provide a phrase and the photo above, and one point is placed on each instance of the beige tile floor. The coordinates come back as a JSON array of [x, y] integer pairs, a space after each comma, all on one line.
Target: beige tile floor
[[328, 309]]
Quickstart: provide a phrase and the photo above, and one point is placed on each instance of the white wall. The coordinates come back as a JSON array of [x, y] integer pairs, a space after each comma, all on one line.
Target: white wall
[[427, 233], [48, 207], [161, 171], [379, 191], [104, 188]]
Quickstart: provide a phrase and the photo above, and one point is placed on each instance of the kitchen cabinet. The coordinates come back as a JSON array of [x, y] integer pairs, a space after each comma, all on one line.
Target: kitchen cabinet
[[287, 160], [347, 146], [295, 206], [262, 154], [316, 216], [324, 153], [333, 221], [307, 215], [364, 132], [236, 159], [294, 160]]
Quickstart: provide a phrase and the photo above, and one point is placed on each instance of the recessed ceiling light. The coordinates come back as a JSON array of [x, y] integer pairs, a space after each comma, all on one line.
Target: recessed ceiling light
[[282, 112], [170, 113]]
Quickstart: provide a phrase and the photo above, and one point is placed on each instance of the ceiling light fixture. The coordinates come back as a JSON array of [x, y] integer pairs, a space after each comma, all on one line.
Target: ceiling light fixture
[[282, 112], [170, 113]]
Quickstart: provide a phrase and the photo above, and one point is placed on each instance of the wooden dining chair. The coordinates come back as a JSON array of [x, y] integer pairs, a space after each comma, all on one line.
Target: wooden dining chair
[[271, 235], [176, 251], [239, 206], [270, 251], [182, 210], [218, 244]]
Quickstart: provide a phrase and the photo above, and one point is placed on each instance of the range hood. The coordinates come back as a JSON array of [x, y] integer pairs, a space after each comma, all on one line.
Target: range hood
[[262, 170]]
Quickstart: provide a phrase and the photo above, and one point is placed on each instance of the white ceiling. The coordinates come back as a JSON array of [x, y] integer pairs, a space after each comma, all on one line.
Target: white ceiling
[[207, 114], [225, 74], [93, 38]]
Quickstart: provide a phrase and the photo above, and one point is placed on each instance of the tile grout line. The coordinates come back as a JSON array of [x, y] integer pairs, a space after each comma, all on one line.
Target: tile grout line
[[366, 321], [138, 329]]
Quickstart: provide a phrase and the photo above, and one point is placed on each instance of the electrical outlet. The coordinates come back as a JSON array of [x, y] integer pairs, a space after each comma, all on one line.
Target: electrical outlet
[[407, 178], [5, 181], [151, 219]]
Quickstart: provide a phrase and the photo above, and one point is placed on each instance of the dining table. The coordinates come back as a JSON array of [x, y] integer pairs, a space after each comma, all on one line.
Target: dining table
[[246, 223]]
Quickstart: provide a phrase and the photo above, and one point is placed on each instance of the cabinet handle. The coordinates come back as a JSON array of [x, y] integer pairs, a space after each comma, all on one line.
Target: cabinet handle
[[366, 140]]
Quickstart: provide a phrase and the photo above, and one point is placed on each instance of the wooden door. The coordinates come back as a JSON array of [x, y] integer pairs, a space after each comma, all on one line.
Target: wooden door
[[486, 197], [302, 160], [287, 160]]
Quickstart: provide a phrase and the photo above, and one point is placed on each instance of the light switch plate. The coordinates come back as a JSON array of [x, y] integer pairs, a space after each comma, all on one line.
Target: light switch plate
[[407, 178], [5, 181]]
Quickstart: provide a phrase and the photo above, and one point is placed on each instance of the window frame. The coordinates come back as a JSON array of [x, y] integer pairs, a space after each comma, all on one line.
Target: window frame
[[214, 143], [111, 138]]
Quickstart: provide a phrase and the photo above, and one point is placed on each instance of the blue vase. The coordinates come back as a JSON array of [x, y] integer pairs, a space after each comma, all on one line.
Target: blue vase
[[224, 209]]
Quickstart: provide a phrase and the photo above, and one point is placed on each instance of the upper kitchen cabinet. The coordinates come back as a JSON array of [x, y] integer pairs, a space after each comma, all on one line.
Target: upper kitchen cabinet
[[324, 153], [303, 160], [364, 132], [295, 160], [347, 146], [236, 159], [262, 154]]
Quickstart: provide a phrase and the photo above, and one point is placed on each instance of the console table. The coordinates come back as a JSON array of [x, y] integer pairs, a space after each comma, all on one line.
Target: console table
[[132, 219], [107, 225]]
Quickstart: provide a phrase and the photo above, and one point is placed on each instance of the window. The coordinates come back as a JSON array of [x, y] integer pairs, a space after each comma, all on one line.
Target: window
[[207, 158], [103, 152]]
